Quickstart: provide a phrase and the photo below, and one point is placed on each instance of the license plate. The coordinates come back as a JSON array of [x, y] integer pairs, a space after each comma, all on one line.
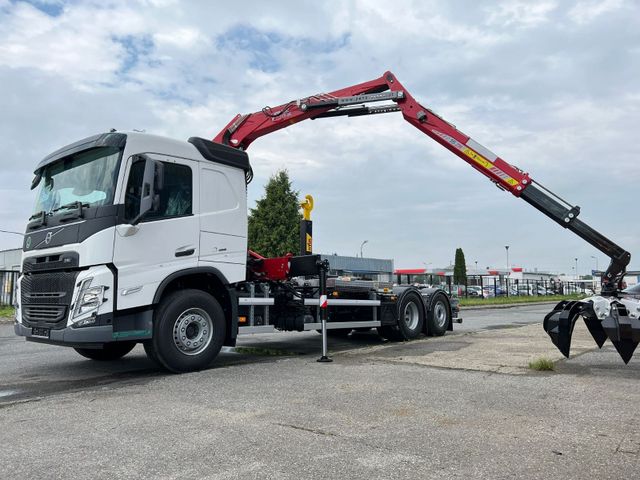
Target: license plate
[[40, 332]]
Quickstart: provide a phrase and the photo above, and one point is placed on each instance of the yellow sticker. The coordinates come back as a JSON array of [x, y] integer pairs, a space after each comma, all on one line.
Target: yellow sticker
[[479, 159], [309, 245]]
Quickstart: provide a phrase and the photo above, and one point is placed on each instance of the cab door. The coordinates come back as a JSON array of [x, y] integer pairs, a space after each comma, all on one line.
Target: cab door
[[223, 220], [166, 239]]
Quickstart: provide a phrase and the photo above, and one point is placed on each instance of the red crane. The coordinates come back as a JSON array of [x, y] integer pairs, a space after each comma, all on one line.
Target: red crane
[[622, 328]]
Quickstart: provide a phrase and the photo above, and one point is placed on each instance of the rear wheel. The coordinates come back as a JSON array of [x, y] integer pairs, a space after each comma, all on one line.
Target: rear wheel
[[189, 330], [439, 316], [110, 351], [410, 320]]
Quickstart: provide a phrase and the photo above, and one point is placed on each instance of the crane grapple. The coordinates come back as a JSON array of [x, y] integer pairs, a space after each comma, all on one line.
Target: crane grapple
[[615, 319]]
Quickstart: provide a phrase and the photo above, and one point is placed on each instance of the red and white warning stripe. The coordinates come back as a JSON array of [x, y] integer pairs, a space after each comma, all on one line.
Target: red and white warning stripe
[[323, 301]]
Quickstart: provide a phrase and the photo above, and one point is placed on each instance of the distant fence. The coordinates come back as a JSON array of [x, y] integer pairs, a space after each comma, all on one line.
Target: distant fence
[[8, 286], [484, 287]]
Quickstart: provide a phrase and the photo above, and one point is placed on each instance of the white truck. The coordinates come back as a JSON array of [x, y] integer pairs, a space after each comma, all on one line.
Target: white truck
[[142, 239], [137, 238]]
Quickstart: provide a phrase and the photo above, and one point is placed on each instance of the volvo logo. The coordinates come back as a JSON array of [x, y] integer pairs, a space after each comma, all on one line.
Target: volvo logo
[[47, 238]]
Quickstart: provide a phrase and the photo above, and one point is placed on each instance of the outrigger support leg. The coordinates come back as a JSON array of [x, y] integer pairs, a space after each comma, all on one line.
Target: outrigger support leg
[[323, 267]]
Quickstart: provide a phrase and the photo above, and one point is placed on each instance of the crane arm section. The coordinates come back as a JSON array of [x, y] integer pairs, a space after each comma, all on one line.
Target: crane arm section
[[355, 101]]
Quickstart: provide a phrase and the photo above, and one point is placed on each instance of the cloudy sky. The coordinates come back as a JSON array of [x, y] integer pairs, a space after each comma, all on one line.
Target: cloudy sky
[[551, 86]]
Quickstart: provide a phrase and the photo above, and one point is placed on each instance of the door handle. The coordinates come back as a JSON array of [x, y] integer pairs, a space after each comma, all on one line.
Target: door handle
[[185, 253]]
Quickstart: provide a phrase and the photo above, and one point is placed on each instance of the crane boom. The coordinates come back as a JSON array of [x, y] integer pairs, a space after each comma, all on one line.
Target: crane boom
[[354, 101]]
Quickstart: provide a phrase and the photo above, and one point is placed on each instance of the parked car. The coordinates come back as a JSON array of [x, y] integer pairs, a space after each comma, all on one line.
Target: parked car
[[491, 291], [474, 291], [455, 290], [633, 291]]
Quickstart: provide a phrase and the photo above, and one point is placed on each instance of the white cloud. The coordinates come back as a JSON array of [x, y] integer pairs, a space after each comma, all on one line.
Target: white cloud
[[561, 103], [520, 13], [587, 11]]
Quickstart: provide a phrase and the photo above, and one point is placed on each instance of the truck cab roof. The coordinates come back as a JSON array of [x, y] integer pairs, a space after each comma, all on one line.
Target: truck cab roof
[[195, 148]]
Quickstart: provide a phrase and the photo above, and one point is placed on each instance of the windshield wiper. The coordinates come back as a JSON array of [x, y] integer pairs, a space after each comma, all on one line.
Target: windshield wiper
[[37, 220], [36, 215], [77, 204]]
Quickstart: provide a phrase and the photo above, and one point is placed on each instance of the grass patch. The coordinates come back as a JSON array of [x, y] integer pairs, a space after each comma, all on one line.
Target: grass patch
[[473, 302], [7, 311], [542, 364]]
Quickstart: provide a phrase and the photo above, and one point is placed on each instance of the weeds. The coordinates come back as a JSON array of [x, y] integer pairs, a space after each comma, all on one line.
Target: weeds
[[542, 364]]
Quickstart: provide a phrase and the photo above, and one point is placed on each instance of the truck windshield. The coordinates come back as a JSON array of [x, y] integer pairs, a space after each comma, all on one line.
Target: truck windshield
[[87, 177]]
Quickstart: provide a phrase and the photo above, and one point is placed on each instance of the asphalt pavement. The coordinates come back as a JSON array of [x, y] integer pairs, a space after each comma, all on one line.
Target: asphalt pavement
[[460, 406]]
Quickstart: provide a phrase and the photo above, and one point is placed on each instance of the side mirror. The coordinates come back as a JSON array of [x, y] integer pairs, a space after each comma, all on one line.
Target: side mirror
[[36, 179], [149, 200]]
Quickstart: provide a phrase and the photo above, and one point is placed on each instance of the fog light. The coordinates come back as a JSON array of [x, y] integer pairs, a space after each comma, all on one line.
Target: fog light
[[86, 321]]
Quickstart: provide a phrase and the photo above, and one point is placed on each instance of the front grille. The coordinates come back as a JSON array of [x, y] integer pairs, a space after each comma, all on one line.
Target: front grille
[[44, 315], [46, 298]]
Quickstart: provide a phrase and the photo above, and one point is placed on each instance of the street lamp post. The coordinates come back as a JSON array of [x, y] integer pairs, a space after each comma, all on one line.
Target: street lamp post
[[576, 259], [362, 245], [596, 259], [476, 275]]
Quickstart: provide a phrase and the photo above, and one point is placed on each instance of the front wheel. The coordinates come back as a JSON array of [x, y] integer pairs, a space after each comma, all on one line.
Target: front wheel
[[110, 351], [189, 330]]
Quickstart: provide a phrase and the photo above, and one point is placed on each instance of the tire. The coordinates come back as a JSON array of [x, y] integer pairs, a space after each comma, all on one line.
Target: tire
[[188, 332], [439, 315], [151, 353], [110, 351], [410, 320]]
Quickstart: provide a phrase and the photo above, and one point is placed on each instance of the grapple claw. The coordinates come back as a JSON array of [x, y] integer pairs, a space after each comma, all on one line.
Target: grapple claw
[[560, 322], [604, 317], [594, 324], [623, 330]]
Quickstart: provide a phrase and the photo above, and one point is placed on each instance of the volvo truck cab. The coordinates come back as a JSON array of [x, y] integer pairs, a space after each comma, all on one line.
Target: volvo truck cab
[[119, 218]]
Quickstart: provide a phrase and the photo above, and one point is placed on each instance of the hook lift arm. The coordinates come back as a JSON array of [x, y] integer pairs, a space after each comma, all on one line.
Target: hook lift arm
[[353, 101]]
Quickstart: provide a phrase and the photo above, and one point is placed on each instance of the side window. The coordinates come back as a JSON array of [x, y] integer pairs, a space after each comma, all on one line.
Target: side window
[[174, 200]]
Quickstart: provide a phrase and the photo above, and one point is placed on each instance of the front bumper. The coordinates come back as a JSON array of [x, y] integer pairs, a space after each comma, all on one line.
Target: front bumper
[[69, 336]]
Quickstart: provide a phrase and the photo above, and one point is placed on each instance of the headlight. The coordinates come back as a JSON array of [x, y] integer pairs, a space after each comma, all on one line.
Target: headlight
[[88, 300]]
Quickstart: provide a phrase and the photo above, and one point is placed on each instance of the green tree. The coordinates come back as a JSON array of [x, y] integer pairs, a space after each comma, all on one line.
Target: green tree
[[274, 224], [460, 268]]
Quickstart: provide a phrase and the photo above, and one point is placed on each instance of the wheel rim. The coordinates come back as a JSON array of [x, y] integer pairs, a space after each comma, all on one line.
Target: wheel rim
[[192, 331], [440, 314], [411, 315]]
